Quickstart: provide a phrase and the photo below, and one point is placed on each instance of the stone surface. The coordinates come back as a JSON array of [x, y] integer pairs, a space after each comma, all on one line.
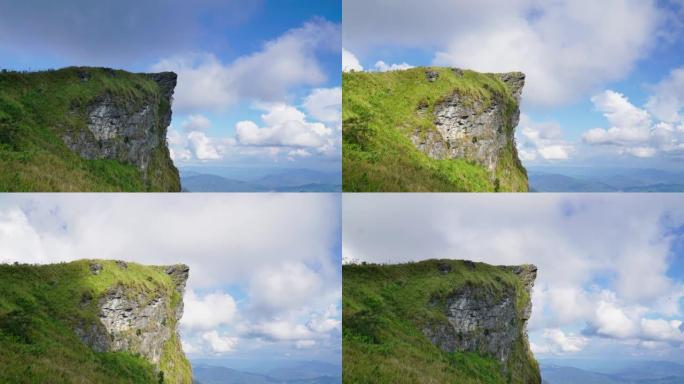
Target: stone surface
[[472, 129], [484, 321], [129, 131], [134, 321]]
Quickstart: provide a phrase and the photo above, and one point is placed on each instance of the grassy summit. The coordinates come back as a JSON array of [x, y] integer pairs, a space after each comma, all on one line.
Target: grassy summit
[[387, 307], [380, 112], [40, 306], [37, 108]]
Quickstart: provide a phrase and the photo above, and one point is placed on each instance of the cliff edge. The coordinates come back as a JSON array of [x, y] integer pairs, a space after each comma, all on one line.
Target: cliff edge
[[431, 129], [86, 129], [97, 321], [437, 321]]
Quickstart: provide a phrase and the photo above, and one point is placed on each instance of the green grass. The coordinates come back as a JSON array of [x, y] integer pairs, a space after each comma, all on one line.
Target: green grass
[[41, 305], [379, 113], [37, 108], [385, 307]]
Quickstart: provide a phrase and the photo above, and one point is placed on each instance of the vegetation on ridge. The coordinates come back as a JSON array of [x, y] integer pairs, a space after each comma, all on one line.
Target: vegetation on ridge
[[40, 305], [379, 115], [385, 308], [36, 108]]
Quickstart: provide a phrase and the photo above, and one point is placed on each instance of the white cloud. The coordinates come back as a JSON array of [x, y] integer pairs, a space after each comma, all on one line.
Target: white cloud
[[279, 330], [196, 123], [381, 66], [549, 41], [326, 321], [541, 140], [219, 344], [267, 287], [204, 82], [633, 130], [285, 126], [558, 342], [209, 311], [202, 147], [324, 104], [350, 62], [668, 97]]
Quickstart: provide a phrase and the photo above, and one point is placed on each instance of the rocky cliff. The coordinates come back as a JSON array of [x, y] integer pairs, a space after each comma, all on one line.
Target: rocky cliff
[[93, 321], [462, 123], [438, 321], [103, 129]]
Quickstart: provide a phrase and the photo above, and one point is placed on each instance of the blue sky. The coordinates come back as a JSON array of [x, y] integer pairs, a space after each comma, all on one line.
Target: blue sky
[[605, 80], [237, 61], [610, 283], [265, 269]]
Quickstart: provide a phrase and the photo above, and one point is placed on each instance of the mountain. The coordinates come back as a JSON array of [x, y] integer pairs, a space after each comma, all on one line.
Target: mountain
[[431, 129], [552, 182], [633, 372], [288, 180], [605, 180], [86, 129], [207, 374], [214, 183], [437, 321], [92, 321]]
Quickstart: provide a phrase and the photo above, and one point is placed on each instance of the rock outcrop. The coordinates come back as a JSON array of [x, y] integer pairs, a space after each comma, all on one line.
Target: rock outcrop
[[137, 321], [131, 130], [484, 321], [470, 128]]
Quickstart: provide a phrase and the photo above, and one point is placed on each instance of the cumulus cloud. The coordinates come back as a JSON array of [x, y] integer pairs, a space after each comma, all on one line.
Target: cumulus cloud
[[543, 140], [606, 244], [196, 123], [284, 126], [208, 311], [549, 41], [557, 342], [381, 66], [350, 62], [218, 343], [633, 130], [667, 99], [296, 279], [324, 104], [205, 82], [286, 130]]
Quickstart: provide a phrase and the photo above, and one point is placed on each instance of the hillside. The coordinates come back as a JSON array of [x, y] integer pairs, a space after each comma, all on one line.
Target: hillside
[[437, 321], [86, 129], [91, 321], [431, 129]]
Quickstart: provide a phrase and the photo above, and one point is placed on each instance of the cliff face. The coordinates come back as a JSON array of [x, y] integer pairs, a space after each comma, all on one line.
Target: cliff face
[[486, 322], [472, 128], [135, 321], [449, 115], [108, 118], [119, 319], [425, 314]]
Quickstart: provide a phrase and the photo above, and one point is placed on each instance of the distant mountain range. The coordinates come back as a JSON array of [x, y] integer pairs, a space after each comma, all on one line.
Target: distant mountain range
[[647, 372], [287, 180], [604, 180], [298, 373]]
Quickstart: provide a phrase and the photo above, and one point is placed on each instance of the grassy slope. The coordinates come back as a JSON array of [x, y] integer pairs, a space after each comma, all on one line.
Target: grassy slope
[[385, 308], [35, 107], [39, 307], [379, 114]]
